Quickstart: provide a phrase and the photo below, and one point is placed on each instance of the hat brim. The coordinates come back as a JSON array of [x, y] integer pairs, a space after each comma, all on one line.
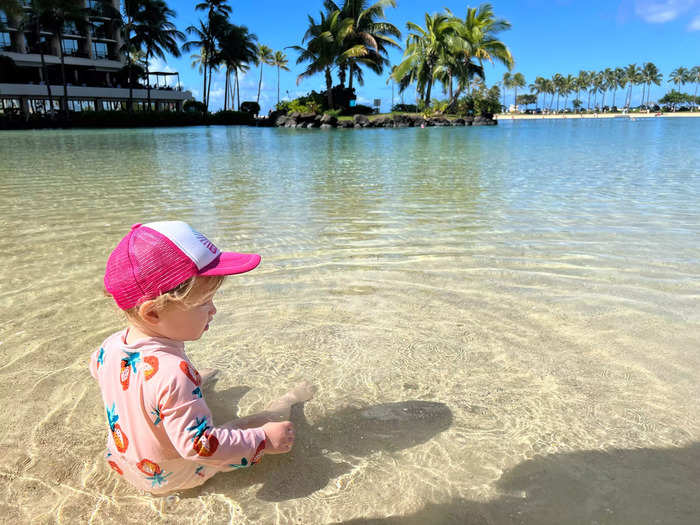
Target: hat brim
[[230, 263]]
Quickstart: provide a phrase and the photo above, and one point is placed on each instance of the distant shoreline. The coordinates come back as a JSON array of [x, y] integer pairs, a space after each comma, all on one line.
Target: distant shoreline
[[507, 116]]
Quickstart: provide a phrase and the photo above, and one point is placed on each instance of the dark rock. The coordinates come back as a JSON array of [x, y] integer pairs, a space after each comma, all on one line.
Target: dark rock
[[326, 126], [345, 124], [402, 121], [483, 121], [306, 117], [439, 121], [468, 121], [295, 115], [383, 122], [329, 119], [458, 122], [290, 123], [281, 120], [362, 120]]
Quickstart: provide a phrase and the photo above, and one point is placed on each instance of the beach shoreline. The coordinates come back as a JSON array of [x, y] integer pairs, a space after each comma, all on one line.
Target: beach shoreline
[[519, 116]]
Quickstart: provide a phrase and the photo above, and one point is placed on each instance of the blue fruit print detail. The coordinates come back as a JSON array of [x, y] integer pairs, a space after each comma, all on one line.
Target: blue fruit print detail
[[244, 463], [156, 413], [112, 416], [101, 358], [159, 477], [199, 470], [200, 426], [131, 359], [197, 392]]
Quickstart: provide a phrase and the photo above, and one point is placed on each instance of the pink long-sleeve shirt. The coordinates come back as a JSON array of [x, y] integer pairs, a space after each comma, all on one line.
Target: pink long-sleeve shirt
[[161, 433]]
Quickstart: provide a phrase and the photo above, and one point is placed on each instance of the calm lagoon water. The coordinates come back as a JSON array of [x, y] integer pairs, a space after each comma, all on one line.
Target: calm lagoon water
[[503, 323]]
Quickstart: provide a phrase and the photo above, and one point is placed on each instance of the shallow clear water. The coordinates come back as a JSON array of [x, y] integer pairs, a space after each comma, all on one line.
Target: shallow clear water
[[503, 323]]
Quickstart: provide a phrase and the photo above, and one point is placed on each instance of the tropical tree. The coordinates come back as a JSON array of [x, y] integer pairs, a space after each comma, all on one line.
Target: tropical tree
[[237, 49], [558, 81], [518, 82], [695, 78], [632, 77], [679, 77], [568, 86], [264, 56], [155, 32], [538, 87], [32, 23], [280, 62], [651, 75], [507, 83], [369, 29], [52, 16], [582, 83], [424, 49], [325, 48]]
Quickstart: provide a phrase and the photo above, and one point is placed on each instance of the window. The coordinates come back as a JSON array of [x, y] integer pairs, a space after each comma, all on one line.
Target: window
[[3, 19], [99, 30], [100, 49], [5, 42], [69, 46], [69, 28]]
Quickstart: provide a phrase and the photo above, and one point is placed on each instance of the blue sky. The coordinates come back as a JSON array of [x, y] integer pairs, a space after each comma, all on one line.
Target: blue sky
[[547, 37]]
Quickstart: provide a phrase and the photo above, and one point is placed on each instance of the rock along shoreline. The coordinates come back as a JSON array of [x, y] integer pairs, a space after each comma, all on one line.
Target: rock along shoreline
[[313, 120]]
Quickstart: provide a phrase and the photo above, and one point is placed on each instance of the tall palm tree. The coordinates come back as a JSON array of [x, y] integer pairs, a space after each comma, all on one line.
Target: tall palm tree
[[651, 76], [582, 82], [507, 83], [32, 22], [131, 8], [238, 49], [155, 32], [538, 87], [598, 84], [264, 56], [679, 77], [280, 62], [325, 48], [424, 49], [695, 78], [632, 77], [549, 89], [369, 29], [568, 86], [518, 82], [618, 81], [53, 15], [558, 81]]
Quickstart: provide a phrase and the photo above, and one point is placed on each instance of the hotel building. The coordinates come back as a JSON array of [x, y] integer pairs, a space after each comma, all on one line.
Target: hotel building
[[94, 68]]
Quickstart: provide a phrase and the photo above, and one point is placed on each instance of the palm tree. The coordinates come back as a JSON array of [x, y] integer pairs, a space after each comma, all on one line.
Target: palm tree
[[325, 48], [609, 82], [33, 24], [264, 56], [549, 89], [679, 77], [52, 15], [651, 76], [694, 77], [238, 49], [518, 82], [280, 62], [598, 84], [568, 86], [424, 48], [538, 87], [154, 31], [558, 81], [507, 84], [632, 77], [369, 30]]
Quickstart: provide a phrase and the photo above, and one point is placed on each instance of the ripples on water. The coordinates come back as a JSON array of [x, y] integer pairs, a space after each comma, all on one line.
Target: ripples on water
[[503, 322]]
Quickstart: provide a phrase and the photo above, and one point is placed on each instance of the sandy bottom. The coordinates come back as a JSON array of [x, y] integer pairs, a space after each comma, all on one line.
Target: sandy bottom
[[494, 347]]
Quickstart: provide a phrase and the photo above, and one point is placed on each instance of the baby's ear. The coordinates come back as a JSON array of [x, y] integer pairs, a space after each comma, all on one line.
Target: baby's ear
[[148, 312]]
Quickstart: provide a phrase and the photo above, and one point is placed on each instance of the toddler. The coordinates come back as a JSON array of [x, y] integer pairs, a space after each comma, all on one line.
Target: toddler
[[162, 438]]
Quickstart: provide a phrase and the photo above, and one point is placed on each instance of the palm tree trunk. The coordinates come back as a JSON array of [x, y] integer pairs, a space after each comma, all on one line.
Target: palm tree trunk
[[614, 93], [209, 86], [64, 103], [257, 100], [44, 71], [238, 91], [226, 91], [329, 87], [204, 86], [278, 84], [695, 102], [588, 107], [148, 78], [515, 97], [350, 73]]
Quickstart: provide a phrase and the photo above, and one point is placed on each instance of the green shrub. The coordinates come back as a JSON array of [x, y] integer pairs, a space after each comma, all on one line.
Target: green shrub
[[251, 107], [407, 108]]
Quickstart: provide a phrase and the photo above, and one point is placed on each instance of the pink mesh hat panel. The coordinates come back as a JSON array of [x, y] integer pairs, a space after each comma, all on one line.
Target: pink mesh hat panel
[[156, 257]]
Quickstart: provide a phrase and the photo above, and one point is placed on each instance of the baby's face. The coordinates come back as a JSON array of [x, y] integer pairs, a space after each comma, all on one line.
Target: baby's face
[[187, 322]]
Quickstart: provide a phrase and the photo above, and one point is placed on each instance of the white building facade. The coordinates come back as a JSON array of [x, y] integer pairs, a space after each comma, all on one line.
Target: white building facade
[[96, 77]]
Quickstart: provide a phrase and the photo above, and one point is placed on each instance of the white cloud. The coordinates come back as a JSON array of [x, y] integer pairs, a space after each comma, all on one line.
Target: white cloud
[[660, 11], [159, 65], [695, 24]]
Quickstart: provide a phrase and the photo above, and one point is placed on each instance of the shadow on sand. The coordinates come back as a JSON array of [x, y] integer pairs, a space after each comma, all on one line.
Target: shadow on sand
[[617, 487], [353, 431]]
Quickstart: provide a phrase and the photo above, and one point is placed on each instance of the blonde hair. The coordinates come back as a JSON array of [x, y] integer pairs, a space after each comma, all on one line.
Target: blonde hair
[[183, 295]]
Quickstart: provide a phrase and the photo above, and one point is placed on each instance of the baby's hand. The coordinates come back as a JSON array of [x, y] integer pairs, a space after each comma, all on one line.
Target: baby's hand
[[280, 437]]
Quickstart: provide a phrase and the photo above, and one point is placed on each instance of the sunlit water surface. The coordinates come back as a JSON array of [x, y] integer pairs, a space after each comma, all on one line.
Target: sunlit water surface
[[503, 323]]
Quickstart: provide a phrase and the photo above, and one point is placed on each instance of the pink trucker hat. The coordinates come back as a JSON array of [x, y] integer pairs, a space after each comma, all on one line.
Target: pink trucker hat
[[156, 257]]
